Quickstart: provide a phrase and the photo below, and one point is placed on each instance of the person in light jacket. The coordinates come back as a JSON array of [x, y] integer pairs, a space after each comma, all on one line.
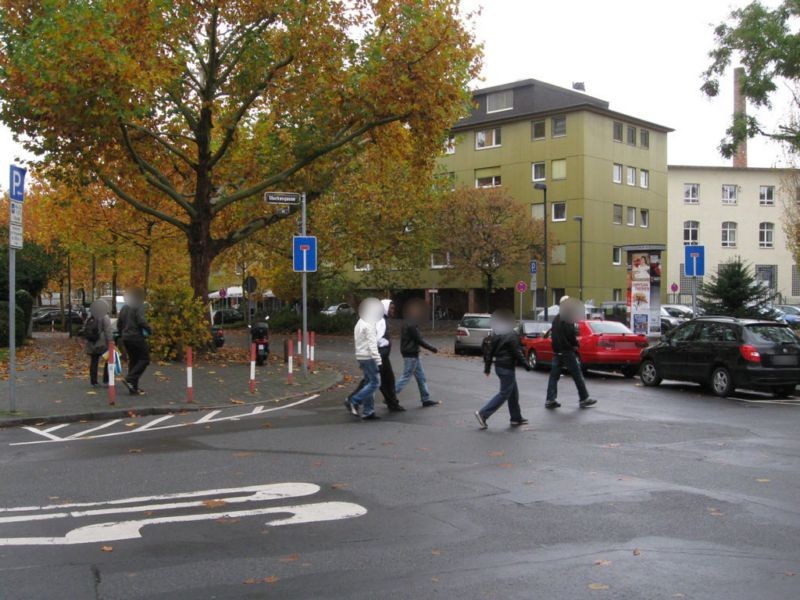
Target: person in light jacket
[[98, 334], [365, 337]]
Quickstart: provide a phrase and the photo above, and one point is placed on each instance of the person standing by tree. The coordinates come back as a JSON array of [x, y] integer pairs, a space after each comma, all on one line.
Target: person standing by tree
[[503, 348], [97, 332], [134, 330], [365, 336], [565, 354], [410, 342]]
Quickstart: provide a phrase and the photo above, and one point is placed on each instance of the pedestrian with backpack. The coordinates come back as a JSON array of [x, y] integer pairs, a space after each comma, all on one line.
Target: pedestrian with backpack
[[502, 348], [134, 330], [411, 341], [97, 332]]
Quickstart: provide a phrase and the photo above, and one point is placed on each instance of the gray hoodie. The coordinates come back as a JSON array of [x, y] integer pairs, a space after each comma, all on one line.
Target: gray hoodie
[[99, 312]]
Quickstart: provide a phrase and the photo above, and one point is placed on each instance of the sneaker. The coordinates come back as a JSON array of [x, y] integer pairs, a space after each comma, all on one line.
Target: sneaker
[[396, 408], [137, 392], [587, 403], [371, 417], [553, 404], [428, 403], [351, 408], [481, 420], [519, 422]]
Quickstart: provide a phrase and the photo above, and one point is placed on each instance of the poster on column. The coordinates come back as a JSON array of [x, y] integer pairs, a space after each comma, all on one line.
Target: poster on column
[[644, 292]]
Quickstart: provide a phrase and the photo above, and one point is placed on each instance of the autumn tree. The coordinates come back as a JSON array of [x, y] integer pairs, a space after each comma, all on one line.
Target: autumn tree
[[212, 102], [486, 232]]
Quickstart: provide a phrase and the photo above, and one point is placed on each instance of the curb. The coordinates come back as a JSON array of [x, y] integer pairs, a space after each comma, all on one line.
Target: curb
[[122, 413]]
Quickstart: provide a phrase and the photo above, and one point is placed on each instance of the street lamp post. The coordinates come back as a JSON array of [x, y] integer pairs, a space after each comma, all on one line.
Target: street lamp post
[[543, 187], [580, 280]]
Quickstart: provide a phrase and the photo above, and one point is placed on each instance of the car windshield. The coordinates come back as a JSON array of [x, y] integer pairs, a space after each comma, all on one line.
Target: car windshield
[[790, 310], [332, 308], [673, 312], [528, 328], [772, 334], [476, 322], [608, 327]]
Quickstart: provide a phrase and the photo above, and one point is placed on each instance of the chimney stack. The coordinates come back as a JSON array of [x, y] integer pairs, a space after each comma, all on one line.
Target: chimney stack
[[739, 109]]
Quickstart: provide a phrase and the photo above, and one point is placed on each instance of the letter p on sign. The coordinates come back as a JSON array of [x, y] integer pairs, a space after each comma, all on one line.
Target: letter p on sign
[[17, 183]]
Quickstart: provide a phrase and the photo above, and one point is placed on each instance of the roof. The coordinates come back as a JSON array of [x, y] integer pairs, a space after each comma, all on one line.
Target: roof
[[731, 168], [534, 97]]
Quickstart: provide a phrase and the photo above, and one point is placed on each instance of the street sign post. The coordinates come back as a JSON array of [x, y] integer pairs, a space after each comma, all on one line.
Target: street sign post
[[433, 293], [16, 194], [522, 287], [534, 267], [304, 255], [694, 266]]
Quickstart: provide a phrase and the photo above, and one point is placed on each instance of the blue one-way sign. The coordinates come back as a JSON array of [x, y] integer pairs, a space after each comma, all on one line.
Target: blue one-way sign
[[304, 253], [694, 261]]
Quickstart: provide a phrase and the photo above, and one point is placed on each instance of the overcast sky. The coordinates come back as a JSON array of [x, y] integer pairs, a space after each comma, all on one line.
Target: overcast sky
[[643, 56]]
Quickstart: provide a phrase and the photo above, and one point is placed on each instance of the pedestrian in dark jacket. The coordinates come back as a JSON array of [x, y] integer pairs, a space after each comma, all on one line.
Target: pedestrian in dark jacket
[[411, 341], [565, 354], [503, 348], [98, 333], [134, 330]]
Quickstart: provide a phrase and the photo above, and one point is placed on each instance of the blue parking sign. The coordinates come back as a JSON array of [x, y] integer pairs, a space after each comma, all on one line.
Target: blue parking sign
[[694, 261], [534, 267], [16, 183], [304, 254]]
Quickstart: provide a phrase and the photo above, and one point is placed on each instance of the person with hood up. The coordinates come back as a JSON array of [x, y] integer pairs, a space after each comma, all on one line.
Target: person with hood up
[[565, 353], [410, 342], [365, 336], [97, 332], [502, 348], [134, 330]]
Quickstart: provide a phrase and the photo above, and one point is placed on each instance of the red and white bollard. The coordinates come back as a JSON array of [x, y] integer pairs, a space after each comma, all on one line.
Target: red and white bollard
[[112, 372], [189, 374], [312, 343], [253, 368], [299, 346], [289, 362]]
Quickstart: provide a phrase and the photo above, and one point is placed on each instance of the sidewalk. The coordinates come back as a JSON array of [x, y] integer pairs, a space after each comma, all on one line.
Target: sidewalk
[[53, 383]]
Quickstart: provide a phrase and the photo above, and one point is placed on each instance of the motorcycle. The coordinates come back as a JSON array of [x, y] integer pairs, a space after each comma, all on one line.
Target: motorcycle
[[259, 335]]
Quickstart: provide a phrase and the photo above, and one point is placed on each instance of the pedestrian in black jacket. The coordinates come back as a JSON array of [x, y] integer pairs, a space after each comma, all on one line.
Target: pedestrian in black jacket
[[411, 341], [134, 330], [502, 348], [565, 355]]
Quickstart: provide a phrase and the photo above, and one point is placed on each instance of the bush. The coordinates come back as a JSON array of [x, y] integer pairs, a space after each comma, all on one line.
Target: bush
[[21, 329], [25, 302], [178, 320], [288, 321]]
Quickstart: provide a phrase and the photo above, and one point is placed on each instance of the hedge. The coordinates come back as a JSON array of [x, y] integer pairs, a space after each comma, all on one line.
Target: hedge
[[21, 327]]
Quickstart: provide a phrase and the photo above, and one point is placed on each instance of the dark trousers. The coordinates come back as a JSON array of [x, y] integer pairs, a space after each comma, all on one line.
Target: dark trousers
[[509, 392], [94, 362], [138, 359], [570, 361], [387, 382]]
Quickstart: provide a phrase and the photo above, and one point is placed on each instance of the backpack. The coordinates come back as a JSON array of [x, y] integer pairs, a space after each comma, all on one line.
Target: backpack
[[486, 347], [91, 330]]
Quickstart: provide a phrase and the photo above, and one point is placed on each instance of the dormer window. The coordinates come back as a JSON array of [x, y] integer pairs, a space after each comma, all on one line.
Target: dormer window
[[499, 101]]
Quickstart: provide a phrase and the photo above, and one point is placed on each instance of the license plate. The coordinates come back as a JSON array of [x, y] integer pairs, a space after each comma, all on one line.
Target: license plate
[[784, 361], [261, 346], [625, 345]]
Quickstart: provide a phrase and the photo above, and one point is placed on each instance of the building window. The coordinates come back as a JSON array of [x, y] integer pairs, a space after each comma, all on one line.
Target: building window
[[617, 219], [362, 265], [488, 182], [616, 295], [631, 216], [617, 131], [768, 275], [538, 171], [500, 101], [538, 130], [487, 138], [559, 211], [537, 211], [558, 126], [616, 255], [644, 178], [644, 138], [559, 169], [691, 193], [440, 260], [766, 195], [795, 281], [728, 234], [691, 233], [644, 217], [766, 235], [729, 194], [631, 135], [450, 144], [631, 175], [616, 173]]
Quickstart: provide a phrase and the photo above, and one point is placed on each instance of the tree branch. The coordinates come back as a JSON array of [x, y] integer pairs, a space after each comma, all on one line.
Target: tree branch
[[160, 140]]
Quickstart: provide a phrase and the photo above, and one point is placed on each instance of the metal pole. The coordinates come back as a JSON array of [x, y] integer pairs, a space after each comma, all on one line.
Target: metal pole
[[12, 329], [305, 290], [433, 312], [544, 259]]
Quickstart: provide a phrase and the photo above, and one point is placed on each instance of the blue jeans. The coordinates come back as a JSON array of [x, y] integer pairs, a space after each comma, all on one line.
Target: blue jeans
[[413, 366], [366, 395], [509, 392], [570, 361]]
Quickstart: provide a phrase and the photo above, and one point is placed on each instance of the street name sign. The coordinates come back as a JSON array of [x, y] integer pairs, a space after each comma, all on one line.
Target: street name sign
[[293, 198]]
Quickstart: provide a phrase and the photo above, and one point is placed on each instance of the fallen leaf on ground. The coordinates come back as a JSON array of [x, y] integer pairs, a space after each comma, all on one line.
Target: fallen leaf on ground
[[505, 465], [436, 552], [611, 446], [107, 549], [134, 451], [227, 520], [598, 586], [243, 454], [252, 581], [131, 424], [91, 393], [603, 563], [424, 449], [762, 480], [497, 453], [290, 558], [715, 512], [338, 486], [531, 482], [236, 401], [214, 503], [267, 426], [435, 579], [637, 552]]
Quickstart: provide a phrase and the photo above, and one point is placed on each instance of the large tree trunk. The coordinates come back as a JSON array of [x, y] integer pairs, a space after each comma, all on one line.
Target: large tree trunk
[[114, 272], [489, 284], [201, 254]]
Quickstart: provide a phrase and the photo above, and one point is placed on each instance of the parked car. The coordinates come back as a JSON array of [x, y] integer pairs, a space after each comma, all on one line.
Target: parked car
[[672, 316], [791, 314], [339, 309], [53, 315], [534, 329], [227, 315], [471, 331], [725, 353], [602, 345]]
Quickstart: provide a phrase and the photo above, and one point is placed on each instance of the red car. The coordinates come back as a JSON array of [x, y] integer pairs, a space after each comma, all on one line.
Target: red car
[[602, 345]]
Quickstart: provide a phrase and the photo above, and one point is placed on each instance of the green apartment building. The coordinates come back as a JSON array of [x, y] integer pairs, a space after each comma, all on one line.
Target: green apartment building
[[606, 167]]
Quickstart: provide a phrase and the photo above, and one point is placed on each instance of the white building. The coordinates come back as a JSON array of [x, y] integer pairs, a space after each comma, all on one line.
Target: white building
[[732, 211]]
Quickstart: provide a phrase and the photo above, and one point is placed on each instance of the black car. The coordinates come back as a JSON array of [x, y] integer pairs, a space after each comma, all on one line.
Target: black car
[[724, 353], [227, 316], [53, 315]]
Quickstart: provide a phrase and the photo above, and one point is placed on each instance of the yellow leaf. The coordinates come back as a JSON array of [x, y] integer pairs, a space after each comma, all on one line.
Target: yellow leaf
[[107, 549], [598, 586], [603, 563], [214, 503]]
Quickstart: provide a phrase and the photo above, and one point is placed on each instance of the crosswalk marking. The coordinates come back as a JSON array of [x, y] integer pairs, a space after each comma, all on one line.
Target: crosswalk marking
[[155, 422], [208, 416], [93, 429]]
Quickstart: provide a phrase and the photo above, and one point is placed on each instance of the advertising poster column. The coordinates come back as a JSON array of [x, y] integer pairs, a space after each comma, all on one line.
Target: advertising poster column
[[644, 291]]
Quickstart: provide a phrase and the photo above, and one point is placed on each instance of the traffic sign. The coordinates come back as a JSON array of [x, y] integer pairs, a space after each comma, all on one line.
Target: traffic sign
[[282, 197], [433, 291], [250, 284], [304, 253], [522, 287], [534, 267], [694, 261], [17, 183], [223, 293], [16, 212], [15, 236], [674, 288]]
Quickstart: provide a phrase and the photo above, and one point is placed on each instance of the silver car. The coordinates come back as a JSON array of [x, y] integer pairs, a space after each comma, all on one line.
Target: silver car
[[471, 331]]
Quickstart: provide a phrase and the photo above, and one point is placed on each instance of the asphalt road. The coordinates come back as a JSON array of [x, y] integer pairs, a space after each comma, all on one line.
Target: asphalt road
[[655, 494]]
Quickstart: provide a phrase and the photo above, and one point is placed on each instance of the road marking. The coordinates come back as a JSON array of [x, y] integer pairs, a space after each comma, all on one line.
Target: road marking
[[154, 422], [93, 429], [131, 529], [207, 418], [55, 428]]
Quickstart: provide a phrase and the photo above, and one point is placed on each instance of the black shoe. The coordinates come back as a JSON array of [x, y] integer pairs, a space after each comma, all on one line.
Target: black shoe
[[428, 403], [396, 408], [552, 405], [481, 420], [127, 384], [351, 408], [519, 422], [587, 403], [371, 417]]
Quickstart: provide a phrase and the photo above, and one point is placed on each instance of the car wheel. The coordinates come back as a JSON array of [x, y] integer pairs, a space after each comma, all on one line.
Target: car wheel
[[721, 382], [648, 373], [533, 360], [784, 391], [629, 372], [458, 351]]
